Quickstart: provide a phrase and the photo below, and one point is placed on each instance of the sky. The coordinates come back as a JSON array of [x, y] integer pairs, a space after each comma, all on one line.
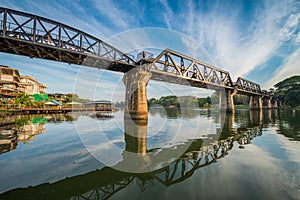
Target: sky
[[258, 40]]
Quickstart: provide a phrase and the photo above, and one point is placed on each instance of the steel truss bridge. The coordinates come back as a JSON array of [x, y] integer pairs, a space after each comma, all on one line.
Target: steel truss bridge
[[38, 37]]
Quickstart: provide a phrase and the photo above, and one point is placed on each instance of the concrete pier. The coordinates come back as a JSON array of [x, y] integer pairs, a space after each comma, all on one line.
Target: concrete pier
[[226, 100], [275, 104], [255, 102], [136, 105], [270, 102]]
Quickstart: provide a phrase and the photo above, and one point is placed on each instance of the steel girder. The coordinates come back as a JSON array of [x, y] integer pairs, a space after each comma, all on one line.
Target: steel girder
[[34, 36], [174, 67], [246, 85], [38, 37]]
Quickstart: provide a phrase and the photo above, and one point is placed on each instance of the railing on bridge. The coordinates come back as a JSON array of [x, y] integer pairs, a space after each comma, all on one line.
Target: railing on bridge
[[34, 36], [246, 85], [175, 63], [24, 27]]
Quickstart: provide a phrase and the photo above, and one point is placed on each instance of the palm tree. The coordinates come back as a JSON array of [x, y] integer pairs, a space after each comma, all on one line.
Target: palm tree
[[23, 100]]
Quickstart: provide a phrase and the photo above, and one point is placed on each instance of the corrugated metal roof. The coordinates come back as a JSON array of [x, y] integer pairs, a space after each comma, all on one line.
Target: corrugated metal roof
[[102, 101], [99, 102], [56, 102]]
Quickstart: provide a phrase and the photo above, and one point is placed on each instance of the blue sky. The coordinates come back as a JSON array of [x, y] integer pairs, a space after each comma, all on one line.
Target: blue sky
[[259, 40]]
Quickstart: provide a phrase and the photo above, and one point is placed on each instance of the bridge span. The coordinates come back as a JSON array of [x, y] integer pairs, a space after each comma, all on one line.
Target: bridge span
[[38, 37]]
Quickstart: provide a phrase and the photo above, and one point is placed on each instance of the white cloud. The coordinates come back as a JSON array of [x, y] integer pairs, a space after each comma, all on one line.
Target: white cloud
[[219, 30], [116, 15], [131, 40], [237, 48], [297, 38], [288, 30], [168, 13], [71, 15], [290, 67]]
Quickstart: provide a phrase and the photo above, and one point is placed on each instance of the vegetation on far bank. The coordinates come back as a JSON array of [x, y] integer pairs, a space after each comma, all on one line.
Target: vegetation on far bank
[[25, 100], [182, 101], [289, 89]]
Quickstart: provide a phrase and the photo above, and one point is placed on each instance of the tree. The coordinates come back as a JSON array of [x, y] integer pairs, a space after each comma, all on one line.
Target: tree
[[240, 99], [75, 98], [290, 89], [24, 100], [152, 102], [168, 101], [204, 102], [289, 83], [182, 101]]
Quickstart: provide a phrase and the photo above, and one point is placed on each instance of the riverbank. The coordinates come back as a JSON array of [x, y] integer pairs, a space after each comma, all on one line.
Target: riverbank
[[53, 110]]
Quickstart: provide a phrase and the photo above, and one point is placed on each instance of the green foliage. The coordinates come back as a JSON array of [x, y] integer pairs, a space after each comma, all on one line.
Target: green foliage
[[293, 97], [204, 102], [289, 83], [75, 98], [169, 101], [22, 121], [183, 101], [240, 99], [289, 89], [23, 100], [39, 104], [289, 125]]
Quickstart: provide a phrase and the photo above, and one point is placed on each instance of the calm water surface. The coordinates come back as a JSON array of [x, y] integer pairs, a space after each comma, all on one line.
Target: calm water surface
[[178, 154]]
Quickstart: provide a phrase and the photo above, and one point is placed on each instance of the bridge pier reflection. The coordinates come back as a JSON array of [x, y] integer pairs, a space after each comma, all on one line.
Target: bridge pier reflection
[[135, 158], [136, 136]]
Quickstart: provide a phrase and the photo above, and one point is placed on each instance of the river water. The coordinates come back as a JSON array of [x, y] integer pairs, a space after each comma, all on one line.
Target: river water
[[178, 154]]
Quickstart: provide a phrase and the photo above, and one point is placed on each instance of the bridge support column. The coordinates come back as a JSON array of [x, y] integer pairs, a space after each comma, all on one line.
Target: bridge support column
[[284, 103], [136, 105], [226, 100], [275, 104], [270, 103], [279, 103], [255, 102]]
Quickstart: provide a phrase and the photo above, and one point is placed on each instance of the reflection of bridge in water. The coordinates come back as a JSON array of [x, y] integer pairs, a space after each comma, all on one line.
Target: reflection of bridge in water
[[103, 183]]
